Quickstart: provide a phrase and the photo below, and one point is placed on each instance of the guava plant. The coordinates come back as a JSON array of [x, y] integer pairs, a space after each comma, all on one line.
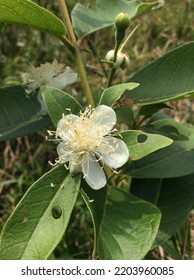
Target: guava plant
[[132, 164]]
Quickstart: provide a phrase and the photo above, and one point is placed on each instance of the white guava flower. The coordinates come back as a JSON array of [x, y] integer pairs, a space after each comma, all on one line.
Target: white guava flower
[[49, 74], [87, 143]]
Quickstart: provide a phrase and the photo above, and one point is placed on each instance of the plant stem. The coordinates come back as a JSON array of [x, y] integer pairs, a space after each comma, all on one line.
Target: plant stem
[[72, 45], [83, 77], [66, 19], [113, 70], [111, 75], [128, 37], [96, 54]]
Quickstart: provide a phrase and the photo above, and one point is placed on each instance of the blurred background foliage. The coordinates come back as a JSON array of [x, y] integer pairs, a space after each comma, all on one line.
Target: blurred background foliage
[[24, 160]]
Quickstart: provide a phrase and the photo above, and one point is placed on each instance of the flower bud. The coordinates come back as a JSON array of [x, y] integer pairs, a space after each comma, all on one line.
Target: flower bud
[[122, 59], [110, 55], [125, 62], [122, 21]]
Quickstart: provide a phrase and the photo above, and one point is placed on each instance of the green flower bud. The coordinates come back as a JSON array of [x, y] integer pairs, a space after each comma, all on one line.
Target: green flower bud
[[122, 21]]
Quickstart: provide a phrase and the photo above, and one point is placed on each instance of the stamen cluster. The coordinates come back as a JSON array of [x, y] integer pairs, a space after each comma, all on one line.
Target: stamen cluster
[[87, 143]]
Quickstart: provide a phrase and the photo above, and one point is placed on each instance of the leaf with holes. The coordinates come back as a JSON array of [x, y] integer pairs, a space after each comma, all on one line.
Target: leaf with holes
[[19, 114], [174, 197], [39, 221], [112, 94], [125, 226], [173, 161], [58, 103], [169, 77], [141, 144], [31, 15], [87, 20]]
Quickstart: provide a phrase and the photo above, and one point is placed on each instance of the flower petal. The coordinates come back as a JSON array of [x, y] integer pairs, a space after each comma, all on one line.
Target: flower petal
[[105, 117], [66, 125], [49, 74], [75, 164], [43, 109], [64, 79], [63, 152], [114, 152], [93, 173]]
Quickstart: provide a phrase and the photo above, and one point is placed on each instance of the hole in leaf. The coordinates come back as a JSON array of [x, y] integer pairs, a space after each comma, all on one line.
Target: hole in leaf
[[141, 138], [25, 219], [56, 212]]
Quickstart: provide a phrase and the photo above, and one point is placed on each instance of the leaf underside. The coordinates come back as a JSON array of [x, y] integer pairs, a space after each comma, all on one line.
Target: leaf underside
[[87, 20]]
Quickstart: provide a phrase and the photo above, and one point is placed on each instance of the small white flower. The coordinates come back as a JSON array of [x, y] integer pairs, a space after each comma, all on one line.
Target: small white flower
[[49, 74], [87, 144]]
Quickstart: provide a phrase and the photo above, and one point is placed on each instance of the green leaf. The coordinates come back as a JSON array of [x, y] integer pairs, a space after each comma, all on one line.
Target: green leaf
[[58, 103], [174, 197], [163, 124], [171, 251], [172, 128], [141, 144], [173, 161], [31, 15], [39, 221], [125, 115], [87, 20], [112, 94], [127, 226], [169, 77], [149, 110], [95, 201], [19, 114]]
